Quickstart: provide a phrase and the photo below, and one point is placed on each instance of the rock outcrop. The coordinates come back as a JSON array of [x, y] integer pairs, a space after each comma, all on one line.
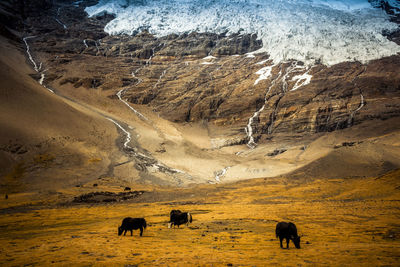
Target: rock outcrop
[[206, 77]]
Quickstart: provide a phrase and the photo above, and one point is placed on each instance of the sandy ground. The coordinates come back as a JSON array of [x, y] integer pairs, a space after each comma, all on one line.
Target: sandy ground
[[343, 222]]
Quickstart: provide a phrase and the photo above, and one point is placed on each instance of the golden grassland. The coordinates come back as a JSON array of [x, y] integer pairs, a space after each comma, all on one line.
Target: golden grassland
[[343, 222]]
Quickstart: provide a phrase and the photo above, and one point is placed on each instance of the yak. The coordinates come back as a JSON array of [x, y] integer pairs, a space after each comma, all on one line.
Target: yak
[[288, 231], [130, 224], [177, 218]]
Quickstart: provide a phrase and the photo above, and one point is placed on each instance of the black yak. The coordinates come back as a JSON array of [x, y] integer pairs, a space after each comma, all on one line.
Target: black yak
[[129, 224], [177, 218], [288, 231]]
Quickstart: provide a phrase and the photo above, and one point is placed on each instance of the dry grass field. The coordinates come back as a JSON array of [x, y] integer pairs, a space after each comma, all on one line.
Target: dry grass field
[[343, 222]]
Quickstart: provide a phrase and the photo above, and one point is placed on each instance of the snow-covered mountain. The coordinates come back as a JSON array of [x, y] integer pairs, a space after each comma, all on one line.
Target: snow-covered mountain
[[194, 108], [306, 30]]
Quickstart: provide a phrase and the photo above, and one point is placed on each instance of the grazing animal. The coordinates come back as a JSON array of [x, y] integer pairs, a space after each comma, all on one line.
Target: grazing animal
[[177, 218], [288, 231], [129, 224], [127, 188]]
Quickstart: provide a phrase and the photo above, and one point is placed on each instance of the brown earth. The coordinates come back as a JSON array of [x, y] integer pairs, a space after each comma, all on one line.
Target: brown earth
[[44, 138]]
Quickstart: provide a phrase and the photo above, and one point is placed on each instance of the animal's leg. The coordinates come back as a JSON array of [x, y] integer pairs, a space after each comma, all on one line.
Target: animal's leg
[[125, 232], [131, 232], [287, 242], [141, 231], [281, 239]]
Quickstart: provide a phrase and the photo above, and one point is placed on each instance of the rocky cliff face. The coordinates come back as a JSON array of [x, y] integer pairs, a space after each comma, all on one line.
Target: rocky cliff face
[[208, 77]]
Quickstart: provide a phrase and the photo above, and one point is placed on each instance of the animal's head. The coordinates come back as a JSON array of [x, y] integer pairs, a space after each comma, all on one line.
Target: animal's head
[[296, 241], [120, 230]]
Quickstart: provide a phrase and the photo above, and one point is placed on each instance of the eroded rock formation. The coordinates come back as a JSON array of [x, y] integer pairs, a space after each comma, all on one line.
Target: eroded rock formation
[[205, 77]]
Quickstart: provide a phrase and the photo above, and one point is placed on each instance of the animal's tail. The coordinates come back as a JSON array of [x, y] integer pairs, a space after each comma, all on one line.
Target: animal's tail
[[144, 224], [189, 217]]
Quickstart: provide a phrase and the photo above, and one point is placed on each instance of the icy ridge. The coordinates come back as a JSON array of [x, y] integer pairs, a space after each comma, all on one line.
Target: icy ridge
[[310, 31]]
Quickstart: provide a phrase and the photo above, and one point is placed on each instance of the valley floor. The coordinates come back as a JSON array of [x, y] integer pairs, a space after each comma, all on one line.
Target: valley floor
[[343, 222]]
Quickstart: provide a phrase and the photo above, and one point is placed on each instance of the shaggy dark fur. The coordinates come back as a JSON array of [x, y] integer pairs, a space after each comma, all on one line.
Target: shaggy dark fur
[[130, 224], [177, 218], [289, 232]]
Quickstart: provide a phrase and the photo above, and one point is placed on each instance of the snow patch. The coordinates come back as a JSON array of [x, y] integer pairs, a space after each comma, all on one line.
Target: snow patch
[[77, 3], [209, 58], [41, 82], [35, 66], [249, 129], [159, 78], [120, 95], [42, 76], [59, 21], [221, 173], [128, 135], [250, 55], [207, 63], [263, 62], [264, 74], [28, 51], [301, 80], [361, 105]]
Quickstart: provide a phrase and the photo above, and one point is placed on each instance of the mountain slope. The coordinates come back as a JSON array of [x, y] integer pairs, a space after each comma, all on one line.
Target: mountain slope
[[184, 109], [43, 138]]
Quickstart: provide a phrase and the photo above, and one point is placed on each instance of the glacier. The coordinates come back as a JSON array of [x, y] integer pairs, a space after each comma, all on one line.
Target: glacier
[[311, 31]]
